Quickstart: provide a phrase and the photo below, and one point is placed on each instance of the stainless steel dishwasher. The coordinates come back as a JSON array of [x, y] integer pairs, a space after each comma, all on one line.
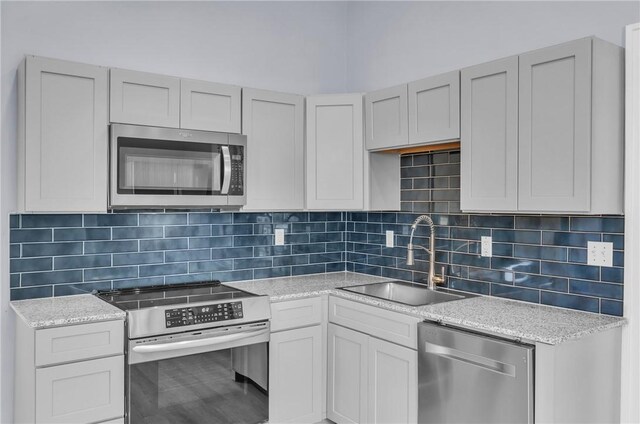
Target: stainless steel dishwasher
[[464, 377]]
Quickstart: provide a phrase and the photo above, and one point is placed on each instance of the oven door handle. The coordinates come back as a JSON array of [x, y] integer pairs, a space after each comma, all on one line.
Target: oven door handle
[[188, 344]]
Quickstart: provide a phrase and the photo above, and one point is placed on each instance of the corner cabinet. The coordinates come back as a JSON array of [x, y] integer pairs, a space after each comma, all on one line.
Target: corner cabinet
[[372, 372], [274, 126], [386, 119], [335, 152], [63, 136], [297, 358], [570, 131]]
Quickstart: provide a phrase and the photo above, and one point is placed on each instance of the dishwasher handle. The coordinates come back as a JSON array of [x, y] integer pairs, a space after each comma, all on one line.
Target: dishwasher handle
[[471, 359]]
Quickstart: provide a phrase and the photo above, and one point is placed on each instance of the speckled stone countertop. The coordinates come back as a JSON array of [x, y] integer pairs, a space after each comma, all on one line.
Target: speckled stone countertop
[[65, 310], [508, 318]]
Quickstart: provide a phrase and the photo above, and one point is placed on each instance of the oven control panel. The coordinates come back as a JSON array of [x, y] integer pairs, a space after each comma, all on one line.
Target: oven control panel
[[181, 317]]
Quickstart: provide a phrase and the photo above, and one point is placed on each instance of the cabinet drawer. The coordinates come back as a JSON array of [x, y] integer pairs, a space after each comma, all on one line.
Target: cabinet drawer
[[78, 342], [296, 313], [82, 392], [387, 325]]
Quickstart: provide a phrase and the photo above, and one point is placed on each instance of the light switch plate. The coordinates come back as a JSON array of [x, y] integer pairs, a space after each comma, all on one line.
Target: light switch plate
[[599, 253], [486, 248], [389, 234], [279, 232]]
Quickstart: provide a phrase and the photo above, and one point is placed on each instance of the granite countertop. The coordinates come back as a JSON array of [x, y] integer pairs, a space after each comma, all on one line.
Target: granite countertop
[[65, 310], [507, 318]]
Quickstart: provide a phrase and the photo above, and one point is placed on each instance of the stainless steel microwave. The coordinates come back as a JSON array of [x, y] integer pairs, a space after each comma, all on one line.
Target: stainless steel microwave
[[167, 167]]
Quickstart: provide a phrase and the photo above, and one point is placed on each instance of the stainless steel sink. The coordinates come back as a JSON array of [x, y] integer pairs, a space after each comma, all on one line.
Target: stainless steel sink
[[407, 293]]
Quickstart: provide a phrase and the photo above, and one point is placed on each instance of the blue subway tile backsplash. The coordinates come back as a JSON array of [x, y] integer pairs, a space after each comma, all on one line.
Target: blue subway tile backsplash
[[539, 259]]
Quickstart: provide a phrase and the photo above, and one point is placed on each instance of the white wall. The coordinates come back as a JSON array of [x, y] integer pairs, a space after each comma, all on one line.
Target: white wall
[[397, 42]]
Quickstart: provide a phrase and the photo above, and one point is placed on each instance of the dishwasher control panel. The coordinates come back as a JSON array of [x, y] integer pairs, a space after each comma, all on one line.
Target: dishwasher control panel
[[181, 317]]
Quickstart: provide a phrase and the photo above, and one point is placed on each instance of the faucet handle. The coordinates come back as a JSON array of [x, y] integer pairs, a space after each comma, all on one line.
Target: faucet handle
[[440, 279]]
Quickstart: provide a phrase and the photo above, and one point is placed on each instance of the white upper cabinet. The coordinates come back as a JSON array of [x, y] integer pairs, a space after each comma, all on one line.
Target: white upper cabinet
[[419, 113], [434, 109], [386, 117], [145, 99], [335, 152], [489, 136], [63, 136], [570, 131], [209, 106], [274, 126]]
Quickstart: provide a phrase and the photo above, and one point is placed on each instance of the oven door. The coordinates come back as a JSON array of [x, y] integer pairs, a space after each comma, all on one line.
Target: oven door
[[168, 167], [218, 376]]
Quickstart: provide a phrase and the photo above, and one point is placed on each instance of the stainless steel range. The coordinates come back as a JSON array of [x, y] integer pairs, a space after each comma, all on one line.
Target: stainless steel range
[[196, 353]]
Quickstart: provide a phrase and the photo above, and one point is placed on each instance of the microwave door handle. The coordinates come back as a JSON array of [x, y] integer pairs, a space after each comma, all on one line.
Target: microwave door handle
[[226, 167], [188, 344]]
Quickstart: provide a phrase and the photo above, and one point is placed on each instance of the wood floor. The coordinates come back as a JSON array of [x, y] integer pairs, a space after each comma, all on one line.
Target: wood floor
[[197, 389]]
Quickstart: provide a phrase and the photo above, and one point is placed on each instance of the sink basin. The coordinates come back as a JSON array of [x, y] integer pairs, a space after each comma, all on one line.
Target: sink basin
[[407, 293]]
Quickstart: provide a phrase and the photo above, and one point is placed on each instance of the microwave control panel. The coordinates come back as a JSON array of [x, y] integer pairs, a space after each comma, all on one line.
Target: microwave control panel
[[181, 317], [236, 187]]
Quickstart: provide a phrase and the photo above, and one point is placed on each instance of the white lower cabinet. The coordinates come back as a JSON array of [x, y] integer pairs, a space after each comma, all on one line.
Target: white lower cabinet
[[297, 361], [70, 374], [393, 383], [347, 374], [82, 392], [370, 380]]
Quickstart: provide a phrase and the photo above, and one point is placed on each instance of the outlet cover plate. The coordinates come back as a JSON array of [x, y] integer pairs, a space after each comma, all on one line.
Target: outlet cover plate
[[486, 248], [389, 234], [599, 253], [279, 233]]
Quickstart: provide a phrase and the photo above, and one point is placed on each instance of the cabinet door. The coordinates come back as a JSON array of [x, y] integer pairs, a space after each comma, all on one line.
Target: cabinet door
[[555, 129], [347, 375], [489, 136], [145, 99], [209, 106], [335, 152], [273, 124], [62, 152], [393, 383], [386, 117], [295, 376], [434, 109], [81, 392]]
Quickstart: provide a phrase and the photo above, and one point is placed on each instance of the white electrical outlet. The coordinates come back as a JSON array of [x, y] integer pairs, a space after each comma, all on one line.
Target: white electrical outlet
[[389, 238], [599, 253], [486, 249], [279, 236]]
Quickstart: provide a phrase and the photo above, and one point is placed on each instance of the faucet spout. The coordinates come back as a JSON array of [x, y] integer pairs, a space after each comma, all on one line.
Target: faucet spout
[[433, 279]]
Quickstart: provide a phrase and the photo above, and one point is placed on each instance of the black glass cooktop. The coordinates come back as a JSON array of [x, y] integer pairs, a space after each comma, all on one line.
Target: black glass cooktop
[[174, 294]]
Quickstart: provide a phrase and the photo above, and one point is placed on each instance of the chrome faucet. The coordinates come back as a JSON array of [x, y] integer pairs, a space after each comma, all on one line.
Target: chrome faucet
[[433, 279]]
